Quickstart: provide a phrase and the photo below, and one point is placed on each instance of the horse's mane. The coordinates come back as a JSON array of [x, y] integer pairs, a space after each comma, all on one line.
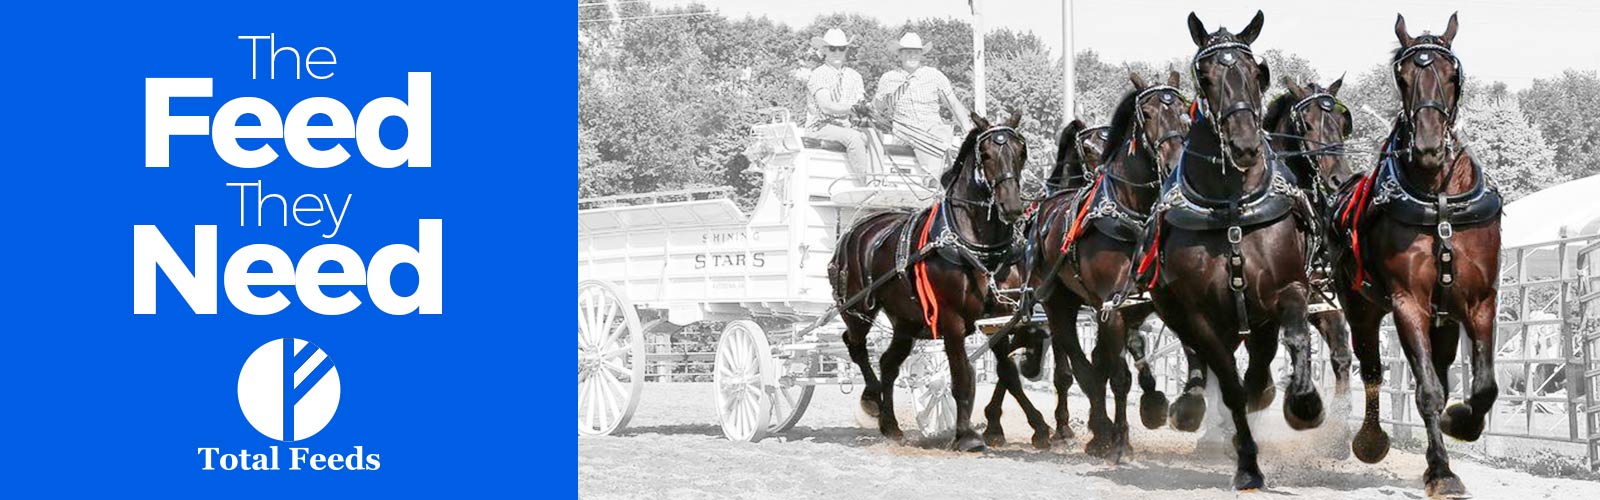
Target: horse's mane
[[1066, 144], [1121, 126], [1278, 110], [962, 158]]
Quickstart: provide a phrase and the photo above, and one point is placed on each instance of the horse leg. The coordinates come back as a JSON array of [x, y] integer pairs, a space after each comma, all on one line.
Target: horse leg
[[1220, 360], [1465, 421], [954, 330], [1371, 443], [1152, 403], [994, 434], [1302, 407], [1336, 334], [1117, 373], [1189, 410], [1062, 314], [1260, 390], [1107, 353], [855, 342], [1011, 380], [1411, 320], [899, 348]]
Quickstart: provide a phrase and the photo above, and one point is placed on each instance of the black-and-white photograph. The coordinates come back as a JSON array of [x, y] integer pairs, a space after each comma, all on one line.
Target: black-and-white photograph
[[1084, 249]]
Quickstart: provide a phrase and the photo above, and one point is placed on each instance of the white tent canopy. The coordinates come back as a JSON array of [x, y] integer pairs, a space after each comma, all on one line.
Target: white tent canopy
[[1539, 217]]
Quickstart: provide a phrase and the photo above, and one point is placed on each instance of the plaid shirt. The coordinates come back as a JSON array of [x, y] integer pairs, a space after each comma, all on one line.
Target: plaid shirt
[[842, 85], [914, 99]]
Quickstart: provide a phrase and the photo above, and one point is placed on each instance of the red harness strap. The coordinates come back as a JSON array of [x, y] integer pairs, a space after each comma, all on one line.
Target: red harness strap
[[1077, 221], [1352, 220], [925, 294], [1150, 259]]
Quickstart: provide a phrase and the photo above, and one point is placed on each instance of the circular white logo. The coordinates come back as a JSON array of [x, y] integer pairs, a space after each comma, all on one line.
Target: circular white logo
[[288, 389]]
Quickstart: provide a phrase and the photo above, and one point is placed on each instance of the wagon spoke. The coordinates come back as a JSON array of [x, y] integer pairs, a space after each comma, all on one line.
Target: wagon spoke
[[616, 332], [604, 396], [583, 328], [593, 404], [618, 368]]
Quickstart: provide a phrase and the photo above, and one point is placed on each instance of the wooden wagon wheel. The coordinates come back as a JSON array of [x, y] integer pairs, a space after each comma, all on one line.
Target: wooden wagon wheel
[[744, 372], [790, 400], [610, 358], [930, 392]]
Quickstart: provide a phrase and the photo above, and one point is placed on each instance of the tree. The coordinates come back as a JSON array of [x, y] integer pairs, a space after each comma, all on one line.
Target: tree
[[1028, 82], [1562, 108], [1511, 150]]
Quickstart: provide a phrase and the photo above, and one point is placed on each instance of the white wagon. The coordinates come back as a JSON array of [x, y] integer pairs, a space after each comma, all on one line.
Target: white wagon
[[692, 256]]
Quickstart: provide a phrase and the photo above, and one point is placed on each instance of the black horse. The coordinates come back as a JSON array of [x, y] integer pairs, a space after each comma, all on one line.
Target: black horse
[[1084, 244], [933, 272], [1419, 237], [1230, 244]]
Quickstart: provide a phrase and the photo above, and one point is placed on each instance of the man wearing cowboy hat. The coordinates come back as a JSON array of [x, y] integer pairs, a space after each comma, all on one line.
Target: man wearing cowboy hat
[[832, 90], [911, 97]]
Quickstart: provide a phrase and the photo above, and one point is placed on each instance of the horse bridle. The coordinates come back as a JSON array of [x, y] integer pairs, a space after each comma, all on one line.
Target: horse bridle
[[1080, 138], [1229, 60], [1168, 95], [1423, 53], [1001, 135]]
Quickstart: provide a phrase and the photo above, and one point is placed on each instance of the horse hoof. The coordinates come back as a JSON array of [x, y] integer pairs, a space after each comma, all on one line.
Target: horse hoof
[[1447, 487], [1041, 439], [893, 434], [1063, 435], [1153, 409], [1370, 445], [994, 438], [870, 405], [1263, 399], [1458, 422], [1188, 412], [1248, 479], [1098, 447], [969, 442], [1303, 411]]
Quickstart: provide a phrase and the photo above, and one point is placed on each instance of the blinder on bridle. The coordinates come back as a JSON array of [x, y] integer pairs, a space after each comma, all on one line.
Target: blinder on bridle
[[1168, 95], [999, 135], [1424, 54], [1327, 103]]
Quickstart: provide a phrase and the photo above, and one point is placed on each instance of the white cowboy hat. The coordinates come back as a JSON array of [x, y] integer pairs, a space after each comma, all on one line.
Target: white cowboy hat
[[833, 38], [912, 41]]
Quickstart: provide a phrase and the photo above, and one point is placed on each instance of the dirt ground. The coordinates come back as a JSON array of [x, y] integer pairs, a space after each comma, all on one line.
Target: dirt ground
[[673, 448]]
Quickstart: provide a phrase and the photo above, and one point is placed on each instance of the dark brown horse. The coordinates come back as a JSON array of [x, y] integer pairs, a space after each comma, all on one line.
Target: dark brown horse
[[1079, 152], [1419, 237], [1308, 126], [966, 238], [1103, 223], [1230, 244]]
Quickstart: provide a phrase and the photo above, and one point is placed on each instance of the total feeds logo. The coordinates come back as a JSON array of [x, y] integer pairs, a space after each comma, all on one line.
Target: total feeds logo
[[288, 390]]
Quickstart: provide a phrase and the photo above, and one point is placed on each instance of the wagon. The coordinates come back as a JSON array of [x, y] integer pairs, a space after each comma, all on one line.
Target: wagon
[[687, 257]]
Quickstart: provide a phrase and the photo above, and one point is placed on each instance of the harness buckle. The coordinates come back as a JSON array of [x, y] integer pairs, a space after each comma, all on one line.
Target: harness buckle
[[1235, 234], [1446, 230]]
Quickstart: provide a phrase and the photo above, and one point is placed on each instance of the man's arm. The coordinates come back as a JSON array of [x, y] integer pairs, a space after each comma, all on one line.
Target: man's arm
[[955, 107]]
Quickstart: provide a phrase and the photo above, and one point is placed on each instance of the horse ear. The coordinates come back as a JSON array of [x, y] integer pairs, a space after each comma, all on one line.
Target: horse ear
[[1138, 81], [1172, 77], [1400, 30], [1294, 88], [1015, 120], [1264, 76], [979, 122], [1449, 31], [1334, 88], [1252, 30], [1197, 30]]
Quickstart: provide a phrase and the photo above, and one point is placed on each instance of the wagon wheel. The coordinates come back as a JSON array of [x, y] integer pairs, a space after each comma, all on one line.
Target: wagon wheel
[[744, 372], [789, 400], [610, 359], [930, 392]]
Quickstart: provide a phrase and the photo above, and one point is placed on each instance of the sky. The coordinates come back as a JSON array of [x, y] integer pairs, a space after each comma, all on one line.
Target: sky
[[1512, 42]]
